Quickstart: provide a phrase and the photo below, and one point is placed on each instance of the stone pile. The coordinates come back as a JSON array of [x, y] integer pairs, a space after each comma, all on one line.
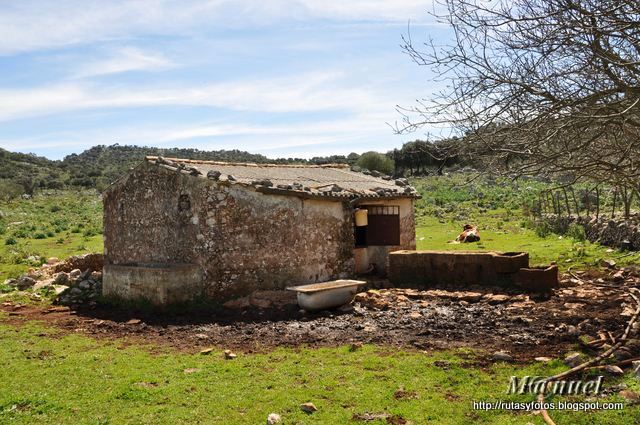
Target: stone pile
[[74, 281]]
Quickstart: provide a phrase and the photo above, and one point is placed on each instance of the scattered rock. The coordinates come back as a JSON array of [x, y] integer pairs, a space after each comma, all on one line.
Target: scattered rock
[[273, 419], [415, 315], [630, 396], [191, 370], [618, 276], [75, 274], [573, 359], [134, 322], [308, 408], [229, 355], [501, 356], [496, 298], [206, 351], [24, 283], [61, 278], [369, 417], [608, 263], [623, 353], [613, 370], [543, 359], [402, 182], [214, 175], [43, 284]]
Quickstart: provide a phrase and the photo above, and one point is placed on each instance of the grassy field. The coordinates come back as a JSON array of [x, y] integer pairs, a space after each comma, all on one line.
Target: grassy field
[[52, 379], [499, 208], [49, 225]]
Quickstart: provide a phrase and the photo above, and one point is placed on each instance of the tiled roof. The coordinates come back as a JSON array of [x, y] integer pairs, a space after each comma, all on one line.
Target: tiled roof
[[334, 182]]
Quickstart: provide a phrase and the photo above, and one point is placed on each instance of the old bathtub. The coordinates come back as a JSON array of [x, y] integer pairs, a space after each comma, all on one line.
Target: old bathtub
[[320, 296]]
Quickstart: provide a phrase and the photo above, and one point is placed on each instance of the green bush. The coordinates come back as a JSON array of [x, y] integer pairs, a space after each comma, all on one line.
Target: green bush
[[576, 232], [89, 232], [39, 235], [10, 241], [543, 229], [20, 234], [376, 161]]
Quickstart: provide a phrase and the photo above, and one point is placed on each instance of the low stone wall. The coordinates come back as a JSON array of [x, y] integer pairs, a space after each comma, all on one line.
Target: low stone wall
[[425, 268], [618, 233], [160, 284]]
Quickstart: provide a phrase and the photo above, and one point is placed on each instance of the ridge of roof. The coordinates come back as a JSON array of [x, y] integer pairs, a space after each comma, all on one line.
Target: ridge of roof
[[359, 185], [246, 164]]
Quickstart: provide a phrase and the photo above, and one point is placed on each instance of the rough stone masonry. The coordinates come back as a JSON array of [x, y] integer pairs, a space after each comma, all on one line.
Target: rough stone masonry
[[244, 227]]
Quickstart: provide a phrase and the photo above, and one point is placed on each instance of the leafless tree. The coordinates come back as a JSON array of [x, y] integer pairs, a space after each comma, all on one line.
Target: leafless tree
[[538, 86]]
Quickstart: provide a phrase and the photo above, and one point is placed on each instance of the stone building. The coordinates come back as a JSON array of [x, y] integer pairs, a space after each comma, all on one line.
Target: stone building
[[178, 229]]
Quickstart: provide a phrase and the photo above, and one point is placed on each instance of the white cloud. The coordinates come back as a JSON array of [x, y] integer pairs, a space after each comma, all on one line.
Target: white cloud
[[321, 91], [125, 60], [304, 138], [41, 24]]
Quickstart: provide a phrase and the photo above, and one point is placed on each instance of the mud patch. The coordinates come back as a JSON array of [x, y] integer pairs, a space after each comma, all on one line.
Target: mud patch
[[491, 319]]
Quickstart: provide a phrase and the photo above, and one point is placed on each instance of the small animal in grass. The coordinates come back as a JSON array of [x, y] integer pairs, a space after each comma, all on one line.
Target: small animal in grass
[[469, 233]]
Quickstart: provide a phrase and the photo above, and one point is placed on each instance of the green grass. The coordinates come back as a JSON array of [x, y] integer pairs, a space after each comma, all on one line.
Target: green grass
[[499, 210], [510, 236], [74, 379], [48, 378], [49, 225]]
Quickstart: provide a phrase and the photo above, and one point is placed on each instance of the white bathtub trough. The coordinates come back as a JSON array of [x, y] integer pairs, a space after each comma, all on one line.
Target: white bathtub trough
[[320, 296]]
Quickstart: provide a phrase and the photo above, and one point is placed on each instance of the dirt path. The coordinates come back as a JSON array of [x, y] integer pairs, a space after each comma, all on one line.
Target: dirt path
[[487, 318]]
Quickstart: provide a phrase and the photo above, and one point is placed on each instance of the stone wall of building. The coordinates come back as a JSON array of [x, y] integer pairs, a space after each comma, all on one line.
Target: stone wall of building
[[243, 240]]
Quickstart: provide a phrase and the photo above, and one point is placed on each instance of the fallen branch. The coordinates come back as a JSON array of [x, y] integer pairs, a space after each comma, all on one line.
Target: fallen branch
[[573, 275], [543, 411], [620, 363]]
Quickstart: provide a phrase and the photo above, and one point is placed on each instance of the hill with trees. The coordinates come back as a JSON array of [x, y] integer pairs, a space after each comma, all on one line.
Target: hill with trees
[[97, 167]]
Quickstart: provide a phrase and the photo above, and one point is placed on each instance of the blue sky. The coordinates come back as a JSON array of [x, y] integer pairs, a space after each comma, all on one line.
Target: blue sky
[[282, 78]]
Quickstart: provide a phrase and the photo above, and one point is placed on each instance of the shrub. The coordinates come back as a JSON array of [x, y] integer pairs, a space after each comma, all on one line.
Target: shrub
[[376, 161], [10, 241], [20, 234], [576, 232], [543, 229], [39, 235]]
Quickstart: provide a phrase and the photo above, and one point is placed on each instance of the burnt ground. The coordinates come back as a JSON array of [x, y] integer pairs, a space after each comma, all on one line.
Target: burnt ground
[[491, 319]]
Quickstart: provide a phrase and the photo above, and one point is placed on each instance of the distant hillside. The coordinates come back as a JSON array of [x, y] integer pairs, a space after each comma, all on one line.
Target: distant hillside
[[99, 166], [23, 173]]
